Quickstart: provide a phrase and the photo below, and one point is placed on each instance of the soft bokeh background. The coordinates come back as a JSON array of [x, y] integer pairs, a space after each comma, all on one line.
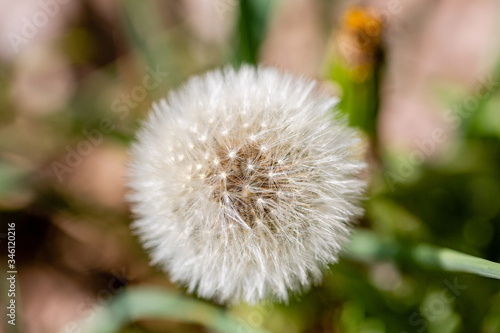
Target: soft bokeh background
[[420, 78]]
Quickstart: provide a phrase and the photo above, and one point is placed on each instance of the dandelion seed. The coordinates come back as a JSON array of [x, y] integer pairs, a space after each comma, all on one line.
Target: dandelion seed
[[229, 234]]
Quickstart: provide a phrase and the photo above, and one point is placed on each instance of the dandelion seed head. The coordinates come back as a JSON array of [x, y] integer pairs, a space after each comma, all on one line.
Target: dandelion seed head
[[265, 199]]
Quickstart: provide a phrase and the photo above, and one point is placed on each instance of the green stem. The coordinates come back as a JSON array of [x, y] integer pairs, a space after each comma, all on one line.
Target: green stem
[[366, 246]]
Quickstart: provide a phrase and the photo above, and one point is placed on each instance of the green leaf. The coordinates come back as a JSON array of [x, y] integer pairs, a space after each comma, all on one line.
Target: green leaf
[[154, 303]]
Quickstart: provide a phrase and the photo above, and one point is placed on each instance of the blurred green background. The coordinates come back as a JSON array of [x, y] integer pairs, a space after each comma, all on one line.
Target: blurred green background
[[420, 79]]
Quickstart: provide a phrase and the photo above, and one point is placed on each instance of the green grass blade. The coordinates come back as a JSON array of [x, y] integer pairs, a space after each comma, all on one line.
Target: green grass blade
[[366, 246], [11, 178], [154, 303], [150, 40], [252, 25]]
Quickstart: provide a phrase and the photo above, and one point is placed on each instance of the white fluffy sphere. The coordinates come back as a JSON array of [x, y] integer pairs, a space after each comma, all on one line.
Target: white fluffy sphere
[[244, 184]]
